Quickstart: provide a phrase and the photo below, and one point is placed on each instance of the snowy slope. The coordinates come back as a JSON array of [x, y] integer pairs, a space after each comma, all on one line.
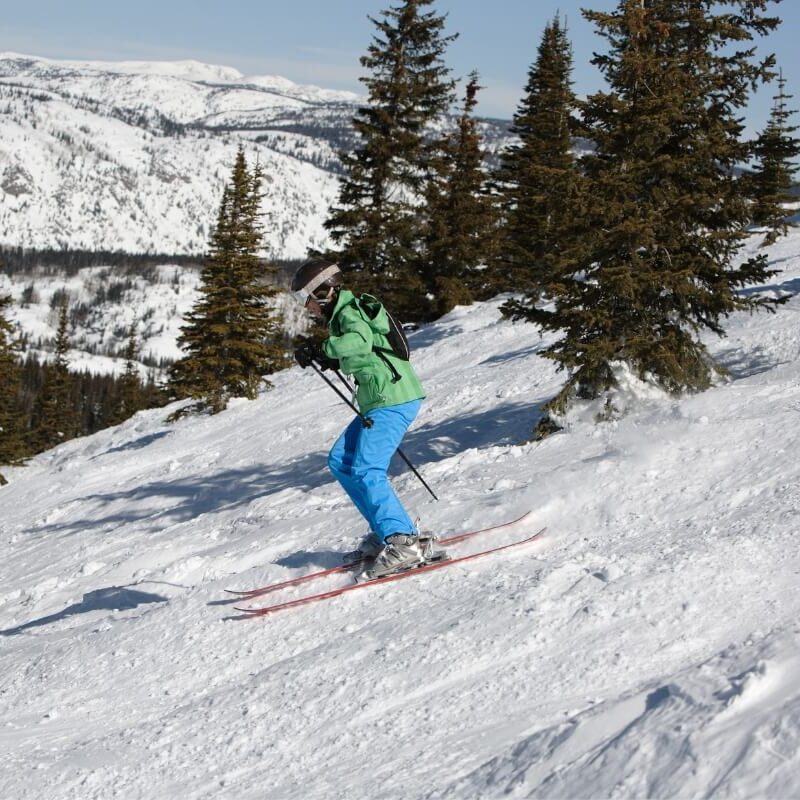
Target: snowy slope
[[648, 646]]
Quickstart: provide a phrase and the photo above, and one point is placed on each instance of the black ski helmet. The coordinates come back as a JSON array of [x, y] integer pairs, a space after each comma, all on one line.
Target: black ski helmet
[[317, 277]]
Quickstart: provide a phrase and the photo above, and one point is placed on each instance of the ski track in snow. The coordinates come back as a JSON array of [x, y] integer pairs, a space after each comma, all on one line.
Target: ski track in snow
[[647, 646]]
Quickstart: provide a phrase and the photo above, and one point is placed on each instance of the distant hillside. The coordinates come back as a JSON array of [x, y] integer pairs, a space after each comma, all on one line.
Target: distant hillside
[[105, 299], [133, 156]]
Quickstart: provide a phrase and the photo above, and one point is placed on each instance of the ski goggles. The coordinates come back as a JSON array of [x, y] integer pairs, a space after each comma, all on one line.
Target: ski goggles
[[303, 295]]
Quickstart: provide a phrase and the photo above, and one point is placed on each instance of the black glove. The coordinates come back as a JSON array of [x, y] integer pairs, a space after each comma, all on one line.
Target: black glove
[[306, 354], [326, 362], [309, 352]]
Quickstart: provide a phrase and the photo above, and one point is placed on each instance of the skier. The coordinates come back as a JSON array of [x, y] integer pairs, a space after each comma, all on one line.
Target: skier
[[389, 396]]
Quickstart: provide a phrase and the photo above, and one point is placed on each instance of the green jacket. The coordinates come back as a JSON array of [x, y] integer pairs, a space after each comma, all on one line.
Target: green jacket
[[352, 336]]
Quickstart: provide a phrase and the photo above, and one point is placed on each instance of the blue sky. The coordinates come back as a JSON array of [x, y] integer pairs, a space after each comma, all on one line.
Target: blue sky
[[320, 41]]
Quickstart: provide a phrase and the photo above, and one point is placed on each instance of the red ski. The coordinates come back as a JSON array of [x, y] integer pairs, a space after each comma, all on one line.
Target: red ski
[[352, 587], [273, 587]]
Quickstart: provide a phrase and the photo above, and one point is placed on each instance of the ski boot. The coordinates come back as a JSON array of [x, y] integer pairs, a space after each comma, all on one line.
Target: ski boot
[[370, 546], [402, 551]]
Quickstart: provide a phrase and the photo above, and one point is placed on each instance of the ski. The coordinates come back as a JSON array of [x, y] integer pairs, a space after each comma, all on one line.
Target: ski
[[274, 587], [251, 613]]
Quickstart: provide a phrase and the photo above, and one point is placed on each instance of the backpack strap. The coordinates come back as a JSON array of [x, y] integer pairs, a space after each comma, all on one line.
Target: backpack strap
[[381, 353], [370, 307]]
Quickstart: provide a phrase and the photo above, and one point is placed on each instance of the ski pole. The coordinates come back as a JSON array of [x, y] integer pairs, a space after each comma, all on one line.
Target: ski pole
[[367, 422], [399, 451]]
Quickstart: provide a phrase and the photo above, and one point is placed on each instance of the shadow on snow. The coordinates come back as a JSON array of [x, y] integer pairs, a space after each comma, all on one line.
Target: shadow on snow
[[508, 424], [165, 502], [112, 598], [790, 287], [741, 365], [137, 444]]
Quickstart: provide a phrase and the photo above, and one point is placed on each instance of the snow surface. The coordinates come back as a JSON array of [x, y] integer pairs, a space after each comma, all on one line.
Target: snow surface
[[647, 646]]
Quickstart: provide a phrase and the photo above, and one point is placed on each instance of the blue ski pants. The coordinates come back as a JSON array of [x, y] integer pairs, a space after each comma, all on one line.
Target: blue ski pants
[[360, 462]]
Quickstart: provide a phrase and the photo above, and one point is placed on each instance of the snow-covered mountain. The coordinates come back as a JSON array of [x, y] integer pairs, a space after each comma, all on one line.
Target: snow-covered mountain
[[104, 302], [133, 156], [647, 646]]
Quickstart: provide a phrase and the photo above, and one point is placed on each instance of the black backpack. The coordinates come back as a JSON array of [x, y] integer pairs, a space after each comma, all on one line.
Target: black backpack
[[398, 343]]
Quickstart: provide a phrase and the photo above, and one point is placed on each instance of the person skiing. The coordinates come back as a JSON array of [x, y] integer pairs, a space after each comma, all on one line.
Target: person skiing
[[389, 395]]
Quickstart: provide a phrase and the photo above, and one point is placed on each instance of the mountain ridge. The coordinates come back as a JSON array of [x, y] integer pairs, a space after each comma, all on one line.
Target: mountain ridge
[[133, 156]]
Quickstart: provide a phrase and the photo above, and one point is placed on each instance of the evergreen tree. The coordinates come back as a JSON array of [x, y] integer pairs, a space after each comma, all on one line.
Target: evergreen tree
[[462, 227], [670, 215], [379, 222], [55, 418], [775, 150], [129, 391], [12, 444], [232, 337], [538, 177], [94, 399]]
